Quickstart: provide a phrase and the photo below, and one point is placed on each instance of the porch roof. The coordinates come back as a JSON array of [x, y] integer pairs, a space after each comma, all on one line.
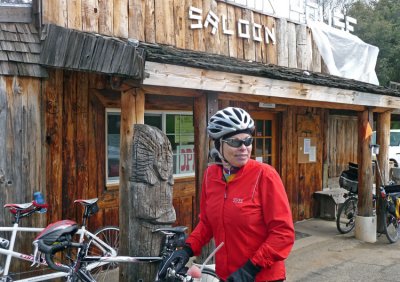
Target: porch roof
[[174, 56], [183, 71], [84, 51]]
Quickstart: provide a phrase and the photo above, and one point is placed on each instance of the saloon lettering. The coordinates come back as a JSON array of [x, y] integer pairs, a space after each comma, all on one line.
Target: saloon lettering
[[244, 28]]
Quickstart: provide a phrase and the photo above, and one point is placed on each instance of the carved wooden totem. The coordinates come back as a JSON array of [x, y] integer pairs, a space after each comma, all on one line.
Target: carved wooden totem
[[150, 189]]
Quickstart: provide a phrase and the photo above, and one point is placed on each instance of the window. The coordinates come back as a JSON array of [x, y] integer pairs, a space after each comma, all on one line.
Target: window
[[178, 127]]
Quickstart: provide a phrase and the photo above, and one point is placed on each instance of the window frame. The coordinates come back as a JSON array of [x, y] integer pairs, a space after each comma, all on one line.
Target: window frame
[[163, 114]]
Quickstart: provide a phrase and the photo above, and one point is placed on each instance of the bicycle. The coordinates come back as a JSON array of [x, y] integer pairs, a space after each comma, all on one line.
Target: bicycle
[[59, 237], [104, 240], [391, 213], [345, 219], [390, 207]]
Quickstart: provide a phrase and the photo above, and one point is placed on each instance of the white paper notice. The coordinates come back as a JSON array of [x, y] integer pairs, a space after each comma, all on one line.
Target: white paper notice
[[307, 144], [313, 154]]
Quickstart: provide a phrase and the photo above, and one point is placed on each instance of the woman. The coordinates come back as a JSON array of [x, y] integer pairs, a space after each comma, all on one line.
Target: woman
[[243, 204]]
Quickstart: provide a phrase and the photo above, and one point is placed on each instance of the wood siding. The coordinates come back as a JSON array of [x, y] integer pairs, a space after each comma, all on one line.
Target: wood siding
[[167, 22], [342, 143], [21, 153]]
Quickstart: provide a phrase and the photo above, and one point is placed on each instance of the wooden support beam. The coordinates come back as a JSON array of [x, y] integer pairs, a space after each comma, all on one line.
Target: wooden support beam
[[132, 112], [245, 85], [383, 140], [365, 175], [200, 146]]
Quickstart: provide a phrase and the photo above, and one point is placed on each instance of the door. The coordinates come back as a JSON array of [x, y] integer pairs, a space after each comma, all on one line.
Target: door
[[265, 138]]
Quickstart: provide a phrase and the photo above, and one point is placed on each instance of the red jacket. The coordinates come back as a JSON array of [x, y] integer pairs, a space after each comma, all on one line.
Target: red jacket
[[251, 215]]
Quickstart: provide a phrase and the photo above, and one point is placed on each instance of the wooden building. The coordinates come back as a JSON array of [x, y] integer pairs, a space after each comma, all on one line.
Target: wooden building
[[76, 74]]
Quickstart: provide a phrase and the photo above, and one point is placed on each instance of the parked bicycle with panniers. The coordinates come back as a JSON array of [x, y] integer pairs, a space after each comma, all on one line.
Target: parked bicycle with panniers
[[389, 206]]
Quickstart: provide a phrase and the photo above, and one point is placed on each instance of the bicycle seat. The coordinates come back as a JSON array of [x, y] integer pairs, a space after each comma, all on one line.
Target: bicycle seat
[[86, 202], [176, 229], [20, 207]]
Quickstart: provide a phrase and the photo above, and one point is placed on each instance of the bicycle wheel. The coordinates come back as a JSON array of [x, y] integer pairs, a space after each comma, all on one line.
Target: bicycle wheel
[[346, 216], [209, 275], [109, 271], [391, 226]]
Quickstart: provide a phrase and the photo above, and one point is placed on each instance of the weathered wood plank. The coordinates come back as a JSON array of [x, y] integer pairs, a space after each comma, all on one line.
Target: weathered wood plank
[[198, 34], [240, 41], [271, 52], [292, 45], [137, 20], [301, 47], [3, 151], [180, 23], [54, 128], [82, 141], [177, 76], [249, 44], [74, 14], [231, 28], [165, 33], [90, 15], [223, 38], [120, 18], [106, 15], [69, 177], [282, 42], [150, 28]]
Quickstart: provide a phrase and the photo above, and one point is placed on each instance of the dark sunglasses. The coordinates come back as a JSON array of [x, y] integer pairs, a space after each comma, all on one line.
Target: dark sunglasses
[[236, 143]]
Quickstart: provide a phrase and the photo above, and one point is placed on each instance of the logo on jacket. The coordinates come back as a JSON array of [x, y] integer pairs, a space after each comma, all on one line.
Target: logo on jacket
[[237, 200]]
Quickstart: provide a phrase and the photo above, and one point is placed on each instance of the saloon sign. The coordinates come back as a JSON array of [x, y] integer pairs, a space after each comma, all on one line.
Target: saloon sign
[[257, 32], [244, 28]]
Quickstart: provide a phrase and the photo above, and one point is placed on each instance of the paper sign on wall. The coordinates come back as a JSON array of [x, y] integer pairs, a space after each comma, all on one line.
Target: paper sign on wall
[[307, 150]]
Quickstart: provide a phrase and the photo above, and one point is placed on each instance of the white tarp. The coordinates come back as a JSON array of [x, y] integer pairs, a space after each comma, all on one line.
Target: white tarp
[[345, 54]]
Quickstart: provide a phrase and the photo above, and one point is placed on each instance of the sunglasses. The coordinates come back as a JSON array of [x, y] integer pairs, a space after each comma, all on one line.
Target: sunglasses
[[236, 143]]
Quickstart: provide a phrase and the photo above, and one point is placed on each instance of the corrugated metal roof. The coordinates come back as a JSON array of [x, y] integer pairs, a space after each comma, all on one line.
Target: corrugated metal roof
[[20, 50]]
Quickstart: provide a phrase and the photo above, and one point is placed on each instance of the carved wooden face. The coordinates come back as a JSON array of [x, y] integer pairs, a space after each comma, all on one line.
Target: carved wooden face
[[151, 180]]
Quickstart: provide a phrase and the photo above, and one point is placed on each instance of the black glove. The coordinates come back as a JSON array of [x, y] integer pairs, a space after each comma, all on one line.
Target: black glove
[[247, 273], [177, 260]]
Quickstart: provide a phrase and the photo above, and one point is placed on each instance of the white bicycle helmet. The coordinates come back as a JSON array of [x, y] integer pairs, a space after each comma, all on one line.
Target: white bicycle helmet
[[229, 120]]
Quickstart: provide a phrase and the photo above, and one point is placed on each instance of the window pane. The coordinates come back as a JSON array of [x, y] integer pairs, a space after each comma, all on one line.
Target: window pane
[[259, 147], [113, 146], [153, 120], [259, 128], [268, 128], [268, 146]]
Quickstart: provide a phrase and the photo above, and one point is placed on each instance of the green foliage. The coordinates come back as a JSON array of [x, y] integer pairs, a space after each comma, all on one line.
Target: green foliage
[[378, 23]]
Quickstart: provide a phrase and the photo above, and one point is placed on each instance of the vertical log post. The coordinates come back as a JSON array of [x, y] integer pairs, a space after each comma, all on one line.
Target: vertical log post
[[210, 103], [201, 148], [365, 221], [383, 140], [128, 118]]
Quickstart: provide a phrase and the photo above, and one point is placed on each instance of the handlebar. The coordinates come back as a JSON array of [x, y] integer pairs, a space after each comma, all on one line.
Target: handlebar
[[50, 250]]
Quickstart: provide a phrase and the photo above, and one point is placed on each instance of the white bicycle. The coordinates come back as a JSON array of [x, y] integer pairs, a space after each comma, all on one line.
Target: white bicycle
[[104, 242]]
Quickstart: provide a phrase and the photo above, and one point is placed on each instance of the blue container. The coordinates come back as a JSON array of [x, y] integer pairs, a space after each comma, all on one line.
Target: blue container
[[39, 199], [38, 196]]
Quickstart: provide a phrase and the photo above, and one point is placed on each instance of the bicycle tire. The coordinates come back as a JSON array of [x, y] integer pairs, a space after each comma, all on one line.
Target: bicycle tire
[[391, 226], [345, 220], [209, 275], [109, 271]]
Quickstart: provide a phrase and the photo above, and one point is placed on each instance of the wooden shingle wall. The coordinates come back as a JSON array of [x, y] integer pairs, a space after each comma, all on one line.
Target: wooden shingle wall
[[20, 50], [167, 22]]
